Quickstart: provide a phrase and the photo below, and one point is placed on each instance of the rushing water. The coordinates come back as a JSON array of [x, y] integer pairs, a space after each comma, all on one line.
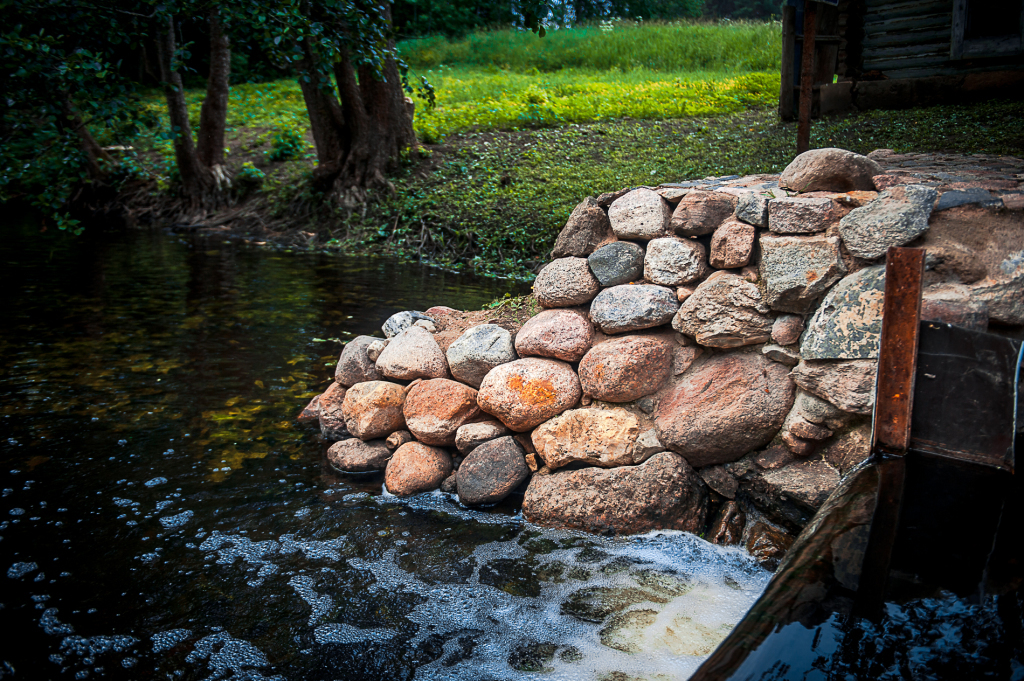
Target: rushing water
[[163, 516]]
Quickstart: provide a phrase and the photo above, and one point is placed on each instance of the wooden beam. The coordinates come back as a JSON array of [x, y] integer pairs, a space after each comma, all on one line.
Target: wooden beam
[[803, 130], [786, 108]]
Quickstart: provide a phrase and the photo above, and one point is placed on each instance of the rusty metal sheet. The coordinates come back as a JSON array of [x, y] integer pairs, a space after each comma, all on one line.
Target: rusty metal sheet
[[897, 355]]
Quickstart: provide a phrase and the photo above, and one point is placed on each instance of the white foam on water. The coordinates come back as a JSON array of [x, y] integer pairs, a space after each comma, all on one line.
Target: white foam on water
[[346, 633]]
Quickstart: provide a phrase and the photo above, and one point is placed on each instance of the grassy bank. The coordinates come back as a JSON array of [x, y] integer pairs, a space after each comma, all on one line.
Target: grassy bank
[[510, 150]]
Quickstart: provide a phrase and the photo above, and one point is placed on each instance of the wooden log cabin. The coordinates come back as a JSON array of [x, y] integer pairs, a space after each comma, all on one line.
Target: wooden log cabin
[[891, 54]]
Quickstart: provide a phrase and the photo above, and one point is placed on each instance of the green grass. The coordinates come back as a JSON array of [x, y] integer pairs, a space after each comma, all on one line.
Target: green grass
[[676, 46]]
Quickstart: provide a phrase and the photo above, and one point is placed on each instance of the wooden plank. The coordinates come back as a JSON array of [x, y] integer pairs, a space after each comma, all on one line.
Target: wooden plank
[[786, 105], [917, 48], [919, 23], [933, 59], [906, 38], [956, 40], [1007, 44], [910, 9], [827, 52]]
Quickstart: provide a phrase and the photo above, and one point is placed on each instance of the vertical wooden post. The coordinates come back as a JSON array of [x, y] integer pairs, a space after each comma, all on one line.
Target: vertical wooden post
[[787, 88], [803, 130]]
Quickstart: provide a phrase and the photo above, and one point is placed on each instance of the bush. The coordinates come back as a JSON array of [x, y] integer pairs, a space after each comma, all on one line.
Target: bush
[[287, 144]]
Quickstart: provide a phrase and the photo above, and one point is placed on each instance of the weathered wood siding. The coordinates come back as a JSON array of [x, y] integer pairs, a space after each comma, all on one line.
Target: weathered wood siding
[[907, 38]]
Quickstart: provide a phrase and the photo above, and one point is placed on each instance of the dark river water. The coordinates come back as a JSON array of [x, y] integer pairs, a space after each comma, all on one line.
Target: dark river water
[[163, 516]]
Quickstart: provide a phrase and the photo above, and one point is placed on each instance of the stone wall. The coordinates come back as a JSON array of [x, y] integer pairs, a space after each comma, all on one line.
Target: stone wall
[[705, 357]]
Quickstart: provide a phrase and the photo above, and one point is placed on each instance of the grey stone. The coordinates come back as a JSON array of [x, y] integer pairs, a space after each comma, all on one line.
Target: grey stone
[[815, 410], [671, 261], [964, 197], [848, 384], [374, 349], [471, 435], [830, 170], [641, 214], [565, 282], [849, 322], [808, 483], [413, 354], [617, 263], [647, 445], [719, 479], [587, 229], [800, 215], [752, 208], [400, 321], [1004, 295], [478, 350], [356, 456], [355, 366], [798, 270], [492, 471], [725, 311], [898, 216], [776, 353], [631, 308]]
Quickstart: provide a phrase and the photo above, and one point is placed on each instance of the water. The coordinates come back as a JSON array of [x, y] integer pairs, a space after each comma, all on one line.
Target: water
[[162, 515]]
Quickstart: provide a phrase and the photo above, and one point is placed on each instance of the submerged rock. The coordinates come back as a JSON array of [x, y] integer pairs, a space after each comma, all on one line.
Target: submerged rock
[[416, 468], [355, 456], [662, 493], [492, 471]]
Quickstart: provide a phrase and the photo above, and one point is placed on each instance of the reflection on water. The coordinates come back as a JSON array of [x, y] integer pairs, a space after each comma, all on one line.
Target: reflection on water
[[164, 517]]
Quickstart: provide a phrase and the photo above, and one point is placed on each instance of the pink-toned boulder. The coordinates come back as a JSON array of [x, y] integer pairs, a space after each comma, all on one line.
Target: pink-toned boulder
[[413, 354], [731, 405], [374, 409], [701, 212], [787, 328], [435, 409], [527, 392], [626, 369], [565, 282], [725, 311], [798, 215], [587, 230], [595, 437], [332, 420], [561, 334], [662, 493], [355, 456], [415, 468], [732, 244]]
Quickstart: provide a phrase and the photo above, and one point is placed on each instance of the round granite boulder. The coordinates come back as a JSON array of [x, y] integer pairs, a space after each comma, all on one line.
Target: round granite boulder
[[374, 409], [626, 369], [355, 456], [527, 392], [492, 471], [565, 282], [617, 263], [561, 334], [435, 409], [415, 468], [633, 307], [478, 350]]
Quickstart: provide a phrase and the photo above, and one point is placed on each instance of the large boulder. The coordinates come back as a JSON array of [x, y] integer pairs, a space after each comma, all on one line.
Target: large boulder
[[355, 456], [671, 261], [527, 392], [472, 435], [565, 282], [701, 212], [848, 324], [415, 468], [332, 420], [662, 493], [435, 409], [730, 405], [732, 244], [617, 263], [355, 366], [561, 334], [640, 214], [830, 170], [626, 369], [491, 472], [478, 350], [848, 384], [374, 409], [413, 354], [726, 311], [897, 217], [802, 215], [595, 437], [632, 308], [798, 270], [587, 230]]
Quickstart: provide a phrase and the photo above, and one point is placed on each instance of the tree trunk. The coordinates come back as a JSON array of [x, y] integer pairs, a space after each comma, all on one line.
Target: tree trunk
[[196, 178], [326, 120], [213, 116], [93, 151]]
